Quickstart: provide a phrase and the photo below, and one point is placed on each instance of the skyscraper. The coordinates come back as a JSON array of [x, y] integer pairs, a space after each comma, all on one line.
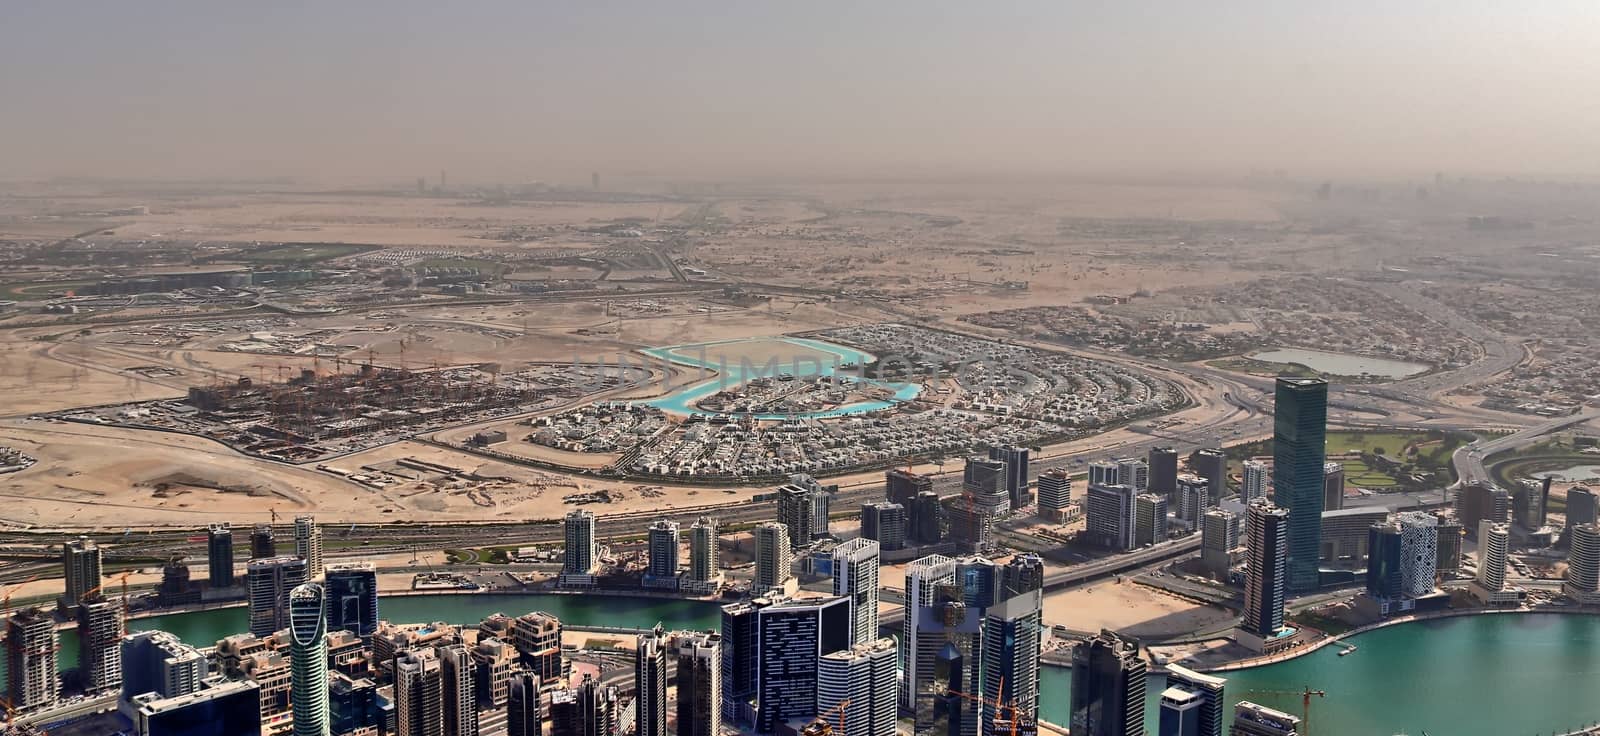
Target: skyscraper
[[1268, 537], [523, 716], [1419, 549], [308, 545], [792, 635], [1163, 470], [885, 523], [1015, 460], [1449, 559], [219, 556], [663, 544], [224, 709], [1055, 494], [1211, 463], [1583, 506], [1254, 483], [1332, 486], [308, 660], [1219, 536], [985, 480], [1149, 519], [270, 579], [855, 577], [579, 558], [1108, 688], [795, 512], [1013, 629], [1180, 713], [739, 644], [1384, 561], [537, 639], [1104, 473], [80, 560], [925, 518], [458, 691], [100, 643], [699, 682], [901, 486], [919, 643], [1209, 689], [1134, 472], [1299, 439], [773, 557], [703, 550], [650, 678], [1109, 516], [31, 680], [156, 661], [862, 683], [1494, 544], [352, 589], [262, 542], [419, 693], [1194, 497], [1583, 565]]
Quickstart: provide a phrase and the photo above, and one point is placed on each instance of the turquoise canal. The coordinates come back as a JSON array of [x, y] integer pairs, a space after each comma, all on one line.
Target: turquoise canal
[[1505, 674], [730, 374]]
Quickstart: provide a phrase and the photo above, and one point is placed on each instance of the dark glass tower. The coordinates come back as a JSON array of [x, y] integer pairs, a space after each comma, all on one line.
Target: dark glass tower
[[1299, 441]]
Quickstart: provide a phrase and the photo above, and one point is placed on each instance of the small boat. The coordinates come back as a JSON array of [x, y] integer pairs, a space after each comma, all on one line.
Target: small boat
[[1349, 650]]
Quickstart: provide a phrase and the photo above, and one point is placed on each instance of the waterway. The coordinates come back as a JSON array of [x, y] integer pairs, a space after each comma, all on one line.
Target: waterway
[[801, 363], [1572, 474], [1341, 364], [1504, 674]]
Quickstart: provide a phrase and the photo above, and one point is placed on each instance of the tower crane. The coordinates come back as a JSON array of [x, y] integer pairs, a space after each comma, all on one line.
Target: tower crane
[[1305, 701], [843, 704]]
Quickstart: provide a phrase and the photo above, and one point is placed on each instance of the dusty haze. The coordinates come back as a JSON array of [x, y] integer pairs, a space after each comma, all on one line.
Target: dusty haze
[[519, 91]]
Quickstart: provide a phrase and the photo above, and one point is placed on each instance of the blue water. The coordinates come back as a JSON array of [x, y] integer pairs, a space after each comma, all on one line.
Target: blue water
[[733, 375]]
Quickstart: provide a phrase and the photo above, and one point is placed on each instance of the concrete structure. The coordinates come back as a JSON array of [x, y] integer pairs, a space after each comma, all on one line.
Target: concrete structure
[[1250, 719], [855, 577], [158, 662], [1210, 691], [884, 522], [31, 679], [1583, 566], [663, 549], [1109, 516], [224, 709], [1016, 473], [739, 645], [1134, 472], [1332, 486], [1211, 463], [581, 556], [1254, 483], [270, 579], [925, 519], [1494, 547], [1013, 636], [352, 590], [1267, 535], [219, 556], [1055, 494], [1163, 463], [796, 511], [537, 639], [703, 553], [524, 716], [699, 681], [1477, 501], [1219, 537], [1345, 535], [1583, 506], [419, 693], [100, 629], [919, 643], [1300, 429], [1149, 519], [1180, 713], [1108, 688], [1193, 498], [862, 682], [495, 663], [459, 691], [263, 542], [308, 660], [985, 480], [308, 545], [1529, 502], [773, 557], [1104, 473], [650, 680], [80, 562], [1450, 536], [792, 634], [902, 486]]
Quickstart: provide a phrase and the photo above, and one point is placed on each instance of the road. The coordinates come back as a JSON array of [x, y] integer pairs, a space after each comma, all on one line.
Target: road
[[1468, 459]]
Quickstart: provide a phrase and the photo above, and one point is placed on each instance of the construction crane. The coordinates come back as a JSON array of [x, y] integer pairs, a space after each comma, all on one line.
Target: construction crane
[[5, 599], [1305, 701], [1009, 709], [840, 707]]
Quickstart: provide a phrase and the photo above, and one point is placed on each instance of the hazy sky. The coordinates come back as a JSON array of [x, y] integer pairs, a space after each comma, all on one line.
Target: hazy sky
[[541, 89]]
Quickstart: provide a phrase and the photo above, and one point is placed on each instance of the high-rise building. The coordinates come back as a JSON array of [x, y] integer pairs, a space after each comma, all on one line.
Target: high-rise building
[[925, 519], [496, 662], [795, 512], [1149, 519], [353, 704], [773, 557], [885, 523], [1583, 565], [1299, 439], [158, 662], [1250, 719], [1015, 460], [523, 715], [599, 709], [80, 559], [270, 579], [1108, 512], [821, 498], [1180, 713], [1384, 557], [537, 639], [1209, 689], [308, 545], [31, 680], [100, 643], [703, 553], [739, 645], [1494, 545], [792, 634], [663, 546], [1332, 486], [224, 709], [308, 660], [419, 693], [1450, 534], [1193, 498], [262, 542], [650, 679], [1528, 503], [1478, 501], [1108, 687], [919, 637], [580, 557], [1254, 481], [1013, 627], [855, 577], [901, 486], [1055, 494], [1583, 506], [1268, 538], [1419, 551], [1211, 463], [985, 480], [862, 683], [699, 681], [219, 556], [1219, 537], [1134, 472], [1104, 473], [459, 691], [1163, 470], [352, 589]]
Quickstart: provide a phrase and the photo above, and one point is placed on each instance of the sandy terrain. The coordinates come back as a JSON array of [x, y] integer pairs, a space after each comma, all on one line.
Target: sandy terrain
[[1133, 609]]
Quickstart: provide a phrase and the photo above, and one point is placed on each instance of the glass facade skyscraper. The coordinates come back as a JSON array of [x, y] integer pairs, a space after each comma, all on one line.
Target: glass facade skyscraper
[[1299, 437]]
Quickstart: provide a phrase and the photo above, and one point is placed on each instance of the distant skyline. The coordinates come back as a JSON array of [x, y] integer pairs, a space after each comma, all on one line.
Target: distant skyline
[[507, 91]]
